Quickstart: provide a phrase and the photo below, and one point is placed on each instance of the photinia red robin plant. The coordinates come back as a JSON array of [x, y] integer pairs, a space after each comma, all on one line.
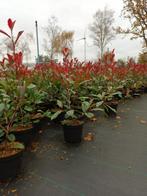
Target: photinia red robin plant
[[13, 62], [11, 36]]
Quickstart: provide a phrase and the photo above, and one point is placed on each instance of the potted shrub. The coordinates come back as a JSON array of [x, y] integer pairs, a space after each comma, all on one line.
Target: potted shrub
[[28, 116], [135, 89], [25, 95], [144, 85], [110, 104], [10, 158], [73, 130], [110, 108], [74, 108], [10, 150], [70, 120], [17, 85], [74, 119]]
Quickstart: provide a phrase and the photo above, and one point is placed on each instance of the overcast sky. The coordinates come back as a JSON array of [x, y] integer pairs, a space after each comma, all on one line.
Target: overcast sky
[[72, 15]]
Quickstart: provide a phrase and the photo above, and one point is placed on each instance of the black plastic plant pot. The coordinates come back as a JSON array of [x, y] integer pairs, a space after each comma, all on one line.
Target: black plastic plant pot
[[25, 136], [111, 109], [135, 93], [41, 122], [145, 89], [73, 133], [141, 89], [37, 125], [10, 166]]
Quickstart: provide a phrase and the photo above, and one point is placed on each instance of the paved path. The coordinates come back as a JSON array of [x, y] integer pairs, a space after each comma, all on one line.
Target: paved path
[[113, 164]]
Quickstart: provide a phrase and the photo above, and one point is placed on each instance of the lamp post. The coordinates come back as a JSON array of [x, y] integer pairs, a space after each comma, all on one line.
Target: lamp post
[[84, 38], [37, 41]]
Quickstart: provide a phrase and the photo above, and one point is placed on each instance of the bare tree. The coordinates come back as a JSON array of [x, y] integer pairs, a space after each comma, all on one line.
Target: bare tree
[[136, 12], [101, 28], [23, 45], [64, 40], [142, 59], [5, 46], [52, 30]]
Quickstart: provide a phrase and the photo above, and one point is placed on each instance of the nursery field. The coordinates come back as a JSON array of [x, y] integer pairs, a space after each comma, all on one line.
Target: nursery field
[[72, 127], [110, 163]]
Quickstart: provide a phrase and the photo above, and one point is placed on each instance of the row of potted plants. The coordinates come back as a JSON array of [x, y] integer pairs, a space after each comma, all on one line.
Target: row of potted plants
[[18, 113], [66, 92]]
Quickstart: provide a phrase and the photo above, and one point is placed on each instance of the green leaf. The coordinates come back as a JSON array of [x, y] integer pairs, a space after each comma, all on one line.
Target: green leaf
[[120, 94], [101, 96], [8, 106], [18, 145], [47, 114], [85, 106], [97, 109], [59, 103], [56, 114], [83, 98], [98, 104], [89, 115], [111, 108], [31, 86], [70, 113], [2, 107], [36, 121], [28, 109], [2, 134], [11, 137]]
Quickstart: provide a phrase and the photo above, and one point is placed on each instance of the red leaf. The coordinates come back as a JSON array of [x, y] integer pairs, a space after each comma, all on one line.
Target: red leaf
[[18, 58], [1, 31], [11, 23], [10, 58], [65, 51], [18, 36]]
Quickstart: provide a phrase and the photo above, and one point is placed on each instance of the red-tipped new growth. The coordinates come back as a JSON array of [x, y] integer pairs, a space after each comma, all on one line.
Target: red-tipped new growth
[[11, 23]]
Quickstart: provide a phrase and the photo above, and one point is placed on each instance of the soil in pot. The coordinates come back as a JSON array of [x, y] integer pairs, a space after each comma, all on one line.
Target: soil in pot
[[25, 134], [73, 131], [10, 161], [111, 109]]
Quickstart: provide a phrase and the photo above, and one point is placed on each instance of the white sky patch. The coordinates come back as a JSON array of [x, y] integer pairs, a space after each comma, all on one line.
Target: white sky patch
[[72, 15]]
